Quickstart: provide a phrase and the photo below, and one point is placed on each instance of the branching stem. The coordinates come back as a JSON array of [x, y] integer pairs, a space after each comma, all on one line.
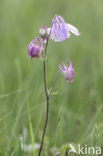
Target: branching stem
[[47, 94]]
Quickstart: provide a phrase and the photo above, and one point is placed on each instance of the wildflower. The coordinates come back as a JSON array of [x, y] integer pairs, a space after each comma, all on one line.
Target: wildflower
[[68, 72], [35, 50], [60, 30]]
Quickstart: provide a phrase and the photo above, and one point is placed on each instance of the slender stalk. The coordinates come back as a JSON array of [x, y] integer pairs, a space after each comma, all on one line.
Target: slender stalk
[[54, 83], [47, 111], [47, 94], [66, 154], [45, 79], [47, 99]]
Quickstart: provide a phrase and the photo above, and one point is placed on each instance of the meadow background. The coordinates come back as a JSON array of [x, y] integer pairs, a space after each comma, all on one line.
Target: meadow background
[[76, 111]]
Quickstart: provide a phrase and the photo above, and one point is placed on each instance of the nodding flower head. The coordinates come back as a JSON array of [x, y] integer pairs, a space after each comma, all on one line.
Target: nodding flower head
[[34, 49], [60, 30], [68, 72]]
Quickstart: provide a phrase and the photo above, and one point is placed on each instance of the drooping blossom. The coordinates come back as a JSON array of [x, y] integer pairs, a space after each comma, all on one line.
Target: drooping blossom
[[68, 72], [60, 30], [35, 48]]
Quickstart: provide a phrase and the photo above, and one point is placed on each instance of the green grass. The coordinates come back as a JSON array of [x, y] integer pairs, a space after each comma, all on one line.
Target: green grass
[[76, 112]]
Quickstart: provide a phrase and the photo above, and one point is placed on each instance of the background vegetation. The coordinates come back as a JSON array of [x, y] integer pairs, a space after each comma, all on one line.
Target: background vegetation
[[76, 112]]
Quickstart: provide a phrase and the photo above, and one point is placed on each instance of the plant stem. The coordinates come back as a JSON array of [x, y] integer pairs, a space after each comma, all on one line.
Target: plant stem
[[46, 92], [54, 83], [45, 79], [47, 111], [66, 154], [47, 99]]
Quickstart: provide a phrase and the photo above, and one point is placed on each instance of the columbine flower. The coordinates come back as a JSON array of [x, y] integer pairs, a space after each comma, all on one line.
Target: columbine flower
[[60, 30], [35, 50], [68, 72]]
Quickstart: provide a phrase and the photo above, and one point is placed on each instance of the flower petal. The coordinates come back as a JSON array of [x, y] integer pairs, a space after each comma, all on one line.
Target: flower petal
[[72, 29], [63, 68], [35, 50], [67, 72]]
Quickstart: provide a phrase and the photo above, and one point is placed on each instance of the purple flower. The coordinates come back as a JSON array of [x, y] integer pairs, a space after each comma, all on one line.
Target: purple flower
[[60, 30], [68, 72], [35, 50]]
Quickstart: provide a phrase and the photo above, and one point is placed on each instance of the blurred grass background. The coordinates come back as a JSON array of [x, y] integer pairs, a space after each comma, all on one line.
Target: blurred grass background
[[76, 112]]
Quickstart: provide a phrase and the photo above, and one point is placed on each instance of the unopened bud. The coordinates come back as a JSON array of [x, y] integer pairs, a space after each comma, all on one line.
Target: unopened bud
[[43, 33]]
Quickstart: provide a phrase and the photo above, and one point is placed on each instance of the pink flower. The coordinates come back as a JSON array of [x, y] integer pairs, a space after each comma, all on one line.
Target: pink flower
[[68, 72], [35, 50], [60, 30]]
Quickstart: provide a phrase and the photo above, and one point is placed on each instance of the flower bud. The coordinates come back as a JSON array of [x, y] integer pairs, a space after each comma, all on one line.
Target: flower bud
[[43, 33], [35, 50], [68, 72]]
